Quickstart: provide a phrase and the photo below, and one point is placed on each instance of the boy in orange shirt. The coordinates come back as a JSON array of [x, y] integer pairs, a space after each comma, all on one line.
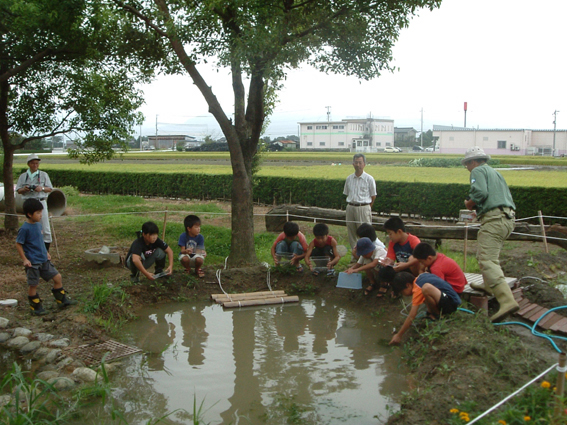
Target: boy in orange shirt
[[400, 248], [323, 246]]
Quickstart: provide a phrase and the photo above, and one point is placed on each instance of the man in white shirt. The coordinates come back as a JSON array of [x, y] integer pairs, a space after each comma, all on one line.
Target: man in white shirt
[[360, 190]]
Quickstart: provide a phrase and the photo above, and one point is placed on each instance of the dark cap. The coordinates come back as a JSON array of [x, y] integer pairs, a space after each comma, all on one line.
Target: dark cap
[[364, 246]]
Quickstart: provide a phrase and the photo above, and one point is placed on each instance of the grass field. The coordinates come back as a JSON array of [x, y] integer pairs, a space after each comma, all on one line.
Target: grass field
[[537, 178]]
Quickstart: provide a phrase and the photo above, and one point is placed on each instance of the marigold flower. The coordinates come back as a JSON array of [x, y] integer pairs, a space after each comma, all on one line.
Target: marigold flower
[[545, 384], [453, 410], [527, 418], [502, 422], [463, 414], [465, 418]]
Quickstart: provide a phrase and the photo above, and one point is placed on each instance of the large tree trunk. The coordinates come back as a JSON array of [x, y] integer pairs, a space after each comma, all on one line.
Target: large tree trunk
[[242, 237]]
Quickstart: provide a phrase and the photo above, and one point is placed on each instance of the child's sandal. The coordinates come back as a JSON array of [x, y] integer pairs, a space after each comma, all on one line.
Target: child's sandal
[[369, 289]]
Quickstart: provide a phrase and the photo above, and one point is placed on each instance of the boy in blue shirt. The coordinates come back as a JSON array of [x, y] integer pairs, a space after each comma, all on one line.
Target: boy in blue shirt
[[36, 259], [438, 296], [192, 245]]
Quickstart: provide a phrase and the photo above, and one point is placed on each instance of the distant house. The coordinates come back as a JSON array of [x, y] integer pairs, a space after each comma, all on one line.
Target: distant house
[[496, 141], [356, 135], [404, 136], [170, 141], [283, 144]]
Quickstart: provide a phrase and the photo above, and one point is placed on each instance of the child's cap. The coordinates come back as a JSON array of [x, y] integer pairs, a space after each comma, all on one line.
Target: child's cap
[[364, 246]]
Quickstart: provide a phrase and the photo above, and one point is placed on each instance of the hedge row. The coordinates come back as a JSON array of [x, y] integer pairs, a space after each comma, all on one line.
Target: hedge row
[[425, 199]]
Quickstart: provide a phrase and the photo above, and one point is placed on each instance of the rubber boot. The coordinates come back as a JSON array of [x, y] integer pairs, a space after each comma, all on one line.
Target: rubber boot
[[505, 298], [61, 298], [481, 287], [36, 306]]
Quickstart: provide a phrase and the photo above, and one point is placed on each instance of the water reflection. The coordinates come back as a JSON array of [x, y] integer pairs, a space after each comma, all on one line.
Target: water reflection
[[315, 361]]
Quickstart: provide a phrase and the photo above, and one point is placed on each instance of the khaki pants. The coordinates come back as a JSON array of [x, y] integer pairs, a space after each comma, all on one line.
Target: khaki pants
[[494, 230], [355, 216]]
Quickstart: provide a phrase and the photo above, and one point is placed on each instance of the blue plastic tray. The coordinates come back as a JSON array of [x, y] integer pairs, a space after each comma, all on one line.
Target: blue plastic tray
[[349, 281]]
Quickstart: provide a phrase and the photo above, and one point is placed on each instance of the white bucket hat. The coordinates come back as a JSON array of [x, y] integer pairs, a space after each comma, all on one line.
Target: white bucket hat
[[33, 156], [474, 153]]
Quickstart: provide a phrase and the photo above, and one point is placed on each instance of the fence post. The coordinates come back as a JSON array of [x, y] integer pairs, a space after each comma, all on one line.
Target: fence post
[[543, 232], [164, 224], [560, 387]]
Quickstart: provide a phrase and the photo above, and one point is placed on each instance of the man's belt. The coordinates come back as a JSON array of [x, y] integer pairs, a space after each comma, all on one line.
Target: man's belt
[[357, 205]]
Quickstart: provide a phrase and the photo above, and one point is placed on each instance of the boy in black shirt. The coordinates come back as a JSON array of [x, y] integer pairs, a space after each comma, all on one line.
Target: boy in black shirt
[[147, 250]]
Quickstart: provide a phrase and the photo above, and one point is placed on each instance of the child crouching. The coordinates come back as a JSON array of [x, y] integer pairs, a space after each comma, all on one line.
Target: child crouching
[[36, 259], [438, 296], [323, 246]]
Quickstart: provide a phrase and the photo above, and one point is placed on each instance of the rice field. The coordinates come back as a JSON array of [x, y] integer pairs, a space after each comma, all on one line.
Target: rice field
[[530, 178]]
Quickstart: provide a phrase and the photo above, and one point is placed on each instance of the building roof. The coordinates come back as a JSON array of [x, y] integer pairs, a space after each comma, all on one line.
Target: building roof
[[404, 129], [451, 128]]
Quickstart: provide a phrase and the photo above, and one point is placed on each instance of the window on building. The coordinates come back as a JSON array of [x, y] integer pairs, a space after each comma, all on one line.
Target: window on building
[[323, 127], [321, 143], [318, 127], [378, 144], [309, 143], [338, 127], [365, 143], [341, 143], [501, 144], [309, 127], [485, 139], [359, 143]]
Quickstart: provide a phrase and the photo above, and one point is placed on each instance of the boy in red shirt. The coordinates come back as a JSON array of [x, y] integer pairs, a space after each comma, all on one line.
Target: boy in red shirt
[[323, 246], [291, 242], [441, 265], [400, 248]]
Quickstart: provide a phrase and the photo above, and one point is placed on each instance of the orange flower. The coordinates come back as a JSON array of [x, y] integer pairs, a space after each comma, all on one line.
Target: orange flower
[[527, 418], [545, 384], [502, 422], [453, 410]]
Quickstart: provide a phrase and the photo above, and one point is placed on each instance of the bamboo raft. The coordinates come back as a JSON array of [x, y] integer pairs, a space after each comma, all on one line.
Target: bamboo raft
[[254, 298]]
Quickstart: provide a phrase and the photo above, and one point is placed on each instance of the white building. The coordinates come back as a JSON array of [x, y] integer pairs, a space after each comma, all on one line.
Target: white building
[[500, 141], [356, 135]]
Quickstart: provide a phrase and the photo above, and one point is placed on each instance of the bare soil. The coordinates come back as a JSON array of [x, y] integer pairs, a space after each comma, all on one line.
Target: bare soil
[[455, 360]]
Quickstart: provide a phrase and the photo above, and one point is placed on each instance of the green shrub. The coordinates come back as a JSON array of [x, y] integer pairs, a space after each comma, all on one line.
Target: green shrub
[[444, 162]]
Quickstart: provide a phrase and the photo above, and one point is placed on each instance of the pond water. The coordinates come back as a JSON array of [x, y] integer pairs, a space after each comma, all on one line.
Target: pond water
[[312, 363]]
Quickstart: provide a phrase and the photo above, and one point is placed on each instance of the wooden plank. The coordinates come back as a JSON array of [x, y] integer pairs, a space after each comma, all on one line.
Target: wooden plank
[[523, 302], [550, 320], [526, 309], [531, 312], [558, 325], [537, 315]]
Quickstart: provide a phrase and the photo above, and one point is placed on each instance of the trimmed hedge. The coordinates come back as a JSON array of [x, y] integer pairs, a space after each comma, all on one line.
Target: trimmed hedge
[[424, 199]]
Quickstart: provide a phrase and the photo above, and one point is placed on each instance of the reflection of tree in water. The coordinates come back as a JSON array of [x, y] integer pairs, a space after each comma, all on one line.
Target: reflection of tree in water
[[195, 336]]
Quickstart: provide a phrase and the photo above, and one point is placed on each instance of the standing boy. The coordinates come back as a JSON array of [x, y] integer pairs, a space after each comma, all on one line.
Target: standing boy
[[368, 261], [438, 296], [36, 259], [323, 246], [440, 265], [401, 246], [147, 250], [491, 198], [35, 184], [192, 245], [360, 190], [291, 242]]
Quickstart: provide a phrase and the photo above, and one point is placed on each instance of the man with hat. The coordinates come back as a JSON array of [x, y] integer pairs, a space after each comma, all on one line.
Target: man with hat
[[491, 198], [36, 184]]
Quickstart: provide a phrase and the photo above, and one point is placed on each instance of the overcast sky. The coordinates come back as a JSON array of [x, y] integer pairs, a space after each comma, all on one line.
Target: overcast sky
[[506, 58]]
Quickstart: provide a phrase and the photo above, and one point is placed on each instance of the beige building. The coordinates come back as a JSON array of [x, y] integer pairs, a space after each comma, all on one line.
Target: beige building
[[356, 135], [500, 141]]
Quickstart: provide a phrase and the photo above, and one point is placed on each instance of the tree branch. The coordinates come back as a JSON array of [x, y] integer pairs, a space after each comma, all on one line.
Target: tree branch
[[26, 64], [142, 17]]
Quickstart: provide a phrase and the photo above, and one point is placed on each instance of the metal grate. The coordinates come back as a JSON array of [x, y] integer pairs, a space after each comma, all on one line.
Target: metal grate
[[92, 354]]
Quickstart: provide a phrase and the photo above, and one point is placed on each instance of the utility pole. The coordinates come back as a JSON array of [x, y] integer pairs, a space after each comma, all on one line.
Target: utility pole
[[155, 142], [554, 128], [421, 134], [328, 113], [465, 114]]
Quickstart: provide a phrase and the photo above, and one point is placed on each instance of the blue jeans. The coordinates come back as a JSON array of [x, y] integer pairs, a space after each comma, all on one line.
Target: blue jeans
[[292, 248], [158, 257]]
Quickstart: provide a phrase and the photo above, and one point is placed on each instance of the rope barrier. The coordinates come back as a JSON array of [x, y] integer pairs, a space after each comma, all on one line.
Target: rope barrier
[[500, 403]]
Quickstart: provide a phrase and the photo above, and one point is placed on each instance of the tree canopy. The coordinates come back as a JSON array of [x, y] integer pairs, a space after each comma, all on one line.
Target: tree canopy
[[69, 66]]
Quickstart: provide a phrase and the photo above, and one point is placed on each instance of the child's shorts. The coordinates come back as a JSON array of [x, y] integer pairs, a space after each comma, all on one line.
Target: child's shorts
[[446, 305], [191, 258], [45, 270]]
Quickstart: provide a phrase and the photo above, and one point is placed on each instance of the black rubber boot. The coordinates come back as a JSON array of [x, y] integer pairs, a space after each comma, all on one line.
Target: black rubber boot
[[36, 306], [61, 298]]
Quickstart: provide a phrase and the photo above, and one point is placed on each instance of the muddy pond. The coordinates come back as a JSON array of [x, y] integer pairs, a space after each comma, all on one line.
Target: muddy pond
[[312, 362]]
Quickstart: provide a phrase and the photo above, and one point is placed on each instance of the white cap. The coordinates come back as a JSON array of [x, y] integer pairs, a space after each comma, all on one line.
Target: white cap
[[32, 156], [474, 153]]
